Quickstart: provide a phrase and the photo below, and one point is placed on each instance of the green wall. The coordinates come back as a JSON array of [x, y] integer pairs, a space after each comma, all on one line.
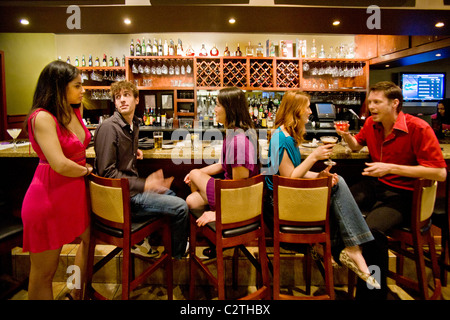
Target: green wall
[[26, 54]]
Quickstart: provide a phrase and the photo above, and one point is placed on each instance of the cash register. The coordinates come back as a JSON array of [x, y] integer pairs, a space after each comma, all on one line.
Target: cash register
[[326, 114]]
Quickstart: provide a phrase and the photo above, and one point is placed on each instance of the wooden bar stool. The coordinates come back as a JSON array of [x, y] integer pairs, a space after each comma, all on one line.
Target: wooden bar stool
[[410, 241], [109, 201], [239, 222], [301, 215]]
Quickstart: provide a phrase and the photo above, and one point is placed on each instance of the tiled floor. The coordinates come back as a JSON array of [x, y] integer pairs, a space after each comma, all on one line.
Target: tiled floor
[[108, 283]]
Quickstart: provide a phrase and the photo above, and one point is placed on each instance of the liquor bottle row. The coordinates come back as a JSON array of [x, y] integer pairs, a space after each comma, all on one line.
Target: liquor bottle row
[[96, 63], [285, 48]]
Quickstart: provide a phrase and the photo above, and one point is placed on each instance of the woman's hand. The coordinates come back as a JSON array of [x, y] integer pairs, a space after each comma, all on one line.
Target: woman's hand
[[322, 152], [187, 180], [206, 217], [326, 173]]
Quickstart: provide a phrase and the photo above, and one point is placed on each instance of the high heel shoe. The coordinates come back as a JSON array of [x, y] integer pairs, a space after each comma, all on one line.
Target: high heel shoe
[[349, 263]]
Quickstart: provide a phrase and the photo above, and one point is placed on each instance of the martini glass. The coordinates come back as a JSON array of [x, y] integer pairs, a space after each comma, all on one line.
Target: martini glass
[[329, 140], [14, 133]]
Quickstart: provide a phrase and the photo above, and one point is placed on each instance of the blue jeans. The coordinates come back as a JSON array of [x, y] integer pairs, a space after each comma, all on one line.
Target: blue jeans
[[346, 220], [155, 204]]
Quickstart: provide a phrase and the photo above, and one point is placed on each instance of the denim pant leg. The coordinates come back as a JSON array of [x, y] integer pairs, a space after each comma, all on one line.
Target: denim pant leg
[[353, 229], [150, 203]]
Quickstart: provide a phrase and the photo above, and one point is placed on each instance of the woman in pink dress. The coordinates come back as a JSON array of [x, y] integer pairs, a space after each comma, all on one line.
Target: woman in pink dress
[[54, 210]]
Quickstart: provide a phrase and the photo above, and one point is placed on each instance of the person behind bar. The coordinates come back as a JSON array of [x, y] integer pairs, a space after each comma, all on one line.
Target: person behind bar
[[116, 149], [54, 209], [238, 159], [440, 121], [402, 148], [348, 228]]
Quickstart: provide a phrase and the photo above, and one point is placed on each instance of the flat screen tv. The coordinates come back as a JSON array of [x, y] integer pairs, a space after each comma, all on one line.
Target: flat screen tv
[[422, 86], [325, 110]]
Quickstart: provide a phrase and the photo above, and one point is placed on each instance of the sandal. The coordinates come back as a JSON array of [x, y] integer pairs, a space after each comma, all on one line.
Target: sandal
[[349, 263]]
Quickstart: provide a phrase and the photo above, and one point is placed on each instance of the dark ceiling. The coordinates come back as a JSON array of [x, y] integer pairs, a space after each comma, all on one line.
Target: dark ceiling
[[171, 16]]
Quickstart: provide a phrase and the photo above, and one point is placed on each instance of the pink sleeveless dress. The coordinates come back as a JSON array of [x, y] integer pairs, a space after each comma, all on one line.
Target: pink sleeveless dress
[[54, 210]]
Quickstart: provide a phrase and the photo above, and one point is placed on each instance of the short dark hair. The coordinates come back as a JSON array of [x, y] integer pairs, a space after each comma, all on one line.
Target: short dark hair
[[390, 90]]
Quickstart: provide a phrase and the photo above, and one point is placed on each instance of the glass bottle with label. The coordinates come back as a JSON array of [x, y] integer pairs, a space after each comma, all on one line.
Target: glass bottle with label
[[83, 61], [90, 61], [160, 48], [149, 50], [203, 51], [171, 48], [143, 48], [180, 50], [137, 48], [226, 53], [322, 52], [131, 48], [97, 62], [238, 51], [214, 52], [249, 50], [155, 47], [313, 49], [260, 50], [104, 63], [77, 62]]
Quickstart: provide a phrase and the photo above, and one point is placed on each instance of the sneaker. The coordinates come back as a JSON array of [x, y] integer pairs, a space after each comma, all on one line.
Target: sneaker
[[145, 250]]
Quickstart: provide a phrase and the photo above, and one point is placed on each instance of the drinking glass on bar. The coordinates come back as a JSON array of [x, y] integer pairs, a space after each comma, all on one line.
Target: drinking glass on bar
[[14, 133], [329, 140], [158, 137], [342, 125]]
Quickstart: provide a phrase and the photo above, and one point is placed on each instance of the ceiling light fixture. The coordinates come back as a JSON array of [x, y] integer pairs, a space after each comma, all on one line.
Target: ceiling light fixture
[[232, 20], [387, 66], [25, 22], [439, 25], [438, 54], [127, 21], [336, 22]]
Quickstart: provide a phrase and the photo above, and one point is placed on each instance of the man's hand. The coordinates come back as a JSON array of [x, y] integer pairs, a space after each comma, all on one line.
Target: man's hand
[[157, 183], [139, 154], [377, 169]]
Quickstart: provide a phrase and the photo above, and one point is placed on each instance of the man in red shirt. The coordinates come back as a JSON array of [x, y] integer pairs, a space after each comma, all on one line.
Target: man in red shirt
[[402, 148]]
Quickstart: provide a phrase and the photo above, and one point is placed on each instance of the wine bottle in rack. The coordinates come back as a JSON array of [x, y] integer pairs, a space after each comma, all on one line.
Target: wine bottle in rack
[[132, 48]]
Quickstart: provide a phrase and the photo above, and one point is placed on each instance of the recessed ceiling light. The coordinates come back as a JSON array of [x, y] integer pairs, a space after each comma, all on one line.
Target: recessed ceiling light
[[336, 22], [387, 66], [439, 25], [438, 54], [127, 21], [24, 22], [232, 20]]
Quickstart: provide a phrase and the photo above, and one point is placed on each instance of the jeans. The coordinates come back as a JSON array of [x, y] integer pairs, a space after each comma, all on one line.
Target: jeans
[[346, 220], [155, 204]]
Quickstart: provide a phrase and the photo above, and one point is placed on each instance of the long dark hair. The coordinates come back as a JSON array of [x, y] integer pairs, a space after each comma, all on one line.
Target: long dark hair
[[50, 93], [446, 118], [236, 108]]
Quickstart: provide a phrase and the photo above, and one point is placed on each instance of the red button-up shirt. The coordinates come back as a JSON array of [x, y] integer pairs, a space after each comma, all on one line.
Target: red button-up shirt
[[412, 142]]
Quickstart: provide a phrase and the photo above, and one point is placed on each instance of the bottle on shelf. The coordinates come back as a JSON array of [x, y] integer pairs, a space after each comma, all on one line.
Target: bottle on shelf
[[68, 59], [152, 117], [190, 51], [283, 49], [313, 49], [104, 63], [97, 62], [155, 47], [214, 52], [165, 48], [138, 48], [322, 54], [83, 61], [132, 48], [77, 62], [111, 61], [149, 50], [304, 52], [90, 61], [160, 48], [238, 51], [116, 62], [226, 53], [171, 48], [249, 50], [260, 50], [123, 61], [180, 50], [146, 117], [203, 51]]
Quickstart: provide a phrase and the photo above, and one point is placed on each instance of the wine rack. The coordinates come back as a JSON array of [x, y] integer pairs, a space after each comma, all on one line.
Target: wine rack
[[208, 73], [261, 73], [235, 73], [288, 75]]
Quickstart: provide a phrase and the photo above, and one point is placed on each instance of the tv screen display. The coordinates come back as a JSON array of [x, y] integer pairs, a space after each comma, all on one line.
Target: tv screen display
[[325, 110], [423, 86]]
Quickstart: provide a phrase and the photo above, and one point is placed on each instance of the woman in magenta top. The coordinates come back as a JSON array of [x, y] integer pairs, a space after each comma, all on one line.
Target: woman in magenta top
[[239, 152], [54, 210]]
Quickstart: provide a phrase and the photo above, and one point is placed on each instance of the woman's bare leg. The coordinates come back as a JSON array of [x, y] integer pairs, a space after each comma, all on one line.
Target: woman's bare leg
[[42, 271]]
